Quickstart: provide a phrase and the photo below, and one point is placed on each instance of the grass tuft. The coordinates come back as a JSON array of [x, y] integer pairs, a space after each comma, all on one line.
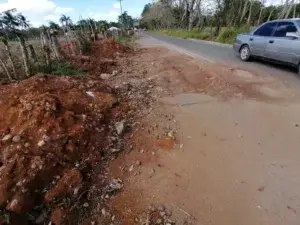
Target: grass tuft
[[65, 69]]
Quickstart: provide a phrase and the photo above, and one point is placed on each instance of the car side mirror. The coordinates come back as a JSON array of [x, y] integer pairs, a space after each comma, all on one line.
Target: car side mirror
[[292, 35]]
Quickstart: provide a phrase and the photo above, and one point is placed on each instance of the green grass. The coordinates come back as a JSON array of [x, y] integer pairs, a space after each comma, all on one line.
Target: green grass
[[64, 69], [127, 40], [185, 34], [226, 35]]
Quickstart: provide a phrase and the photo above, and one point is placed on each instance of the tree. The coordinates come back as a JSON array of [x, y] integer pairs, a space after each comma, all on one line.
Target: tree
[[103, 25], [114, 24], [126, 20], [53, 25], [65, 22], [12, 24]]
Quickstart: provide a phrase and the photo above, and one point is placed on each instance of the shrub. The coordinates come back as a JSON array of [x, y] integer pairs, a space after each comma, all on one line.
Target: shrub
[[228, 34], [62, 69], [127, 40]]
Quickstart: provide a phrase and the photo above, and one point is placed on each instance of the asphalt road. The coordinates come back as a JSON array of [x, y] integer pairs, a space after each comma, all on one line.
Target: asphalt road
[[223, 54]]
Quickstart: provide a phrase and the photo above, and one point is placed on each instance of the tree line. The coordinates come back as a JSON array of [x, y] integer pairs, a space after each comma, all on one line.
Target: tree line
[[41, 48], [190, 14]]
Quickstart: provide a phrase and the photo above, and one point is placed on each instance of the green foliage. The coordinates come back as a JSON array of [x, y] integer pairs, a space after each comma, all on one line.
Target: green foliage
[[228, 34], [53, 25], [195, 34], [127, 40], [64, 69], [126, 20], [102, 25], [114, 24]]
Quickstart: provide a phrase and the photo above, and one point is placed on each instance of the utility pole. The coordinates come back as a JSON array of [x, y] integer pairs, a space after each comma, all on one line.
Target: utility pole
[[121, 12], [121, 6]]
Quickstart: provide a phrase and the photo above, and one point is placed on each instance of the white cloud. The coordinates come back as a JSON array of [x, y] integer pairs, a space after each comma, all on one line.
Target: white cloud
[[62, 10], [116, 6], [38, 12], [109, 16]]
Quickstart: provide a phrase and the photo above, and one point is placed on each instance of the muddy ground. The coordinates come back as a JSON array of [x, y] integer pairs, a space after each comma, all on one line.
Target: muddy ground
[[150, 136]]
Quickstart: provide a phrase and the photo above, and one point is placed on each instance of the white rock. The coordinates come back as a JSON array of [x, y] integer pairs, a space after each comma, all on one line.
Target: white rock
[[91, 94], [7, 137], [105, 76], [131, 168], [115, 150], [76, 190], [85, 205], [28, 107], [14, 203], [26, 145], [41, 143], [103, 211], [16, 138], [120, 127]]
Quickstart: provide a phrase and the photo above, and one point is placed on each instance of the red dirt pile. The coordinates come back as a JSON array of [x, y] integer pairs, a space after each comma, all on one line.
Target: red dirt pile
[[104, 57], [47, 124]]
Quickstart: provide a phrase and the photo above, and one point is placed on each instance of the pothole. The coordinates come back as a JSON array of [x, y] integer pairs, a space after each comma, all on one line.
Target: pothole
[[243, 73], [270, 92]]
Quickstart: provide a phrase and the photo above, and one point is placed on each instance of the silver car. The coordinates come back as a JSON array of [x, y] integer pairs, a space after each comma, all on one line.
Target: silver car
[[277, 41]]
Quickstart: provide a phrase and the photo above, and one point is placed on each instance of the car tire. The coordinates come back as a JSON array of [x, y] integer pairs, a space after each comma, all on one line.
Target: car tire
[[245, 53]]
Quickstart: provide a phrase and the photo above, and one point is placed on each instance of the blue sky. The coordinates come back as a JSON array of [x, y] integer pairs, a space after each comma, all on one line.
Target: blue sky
[[41, 11]]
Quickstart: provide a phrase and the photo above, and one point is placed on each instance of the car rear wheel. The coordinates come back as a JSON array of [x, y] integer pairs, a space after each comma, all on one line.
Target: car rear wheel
[[245, 53]]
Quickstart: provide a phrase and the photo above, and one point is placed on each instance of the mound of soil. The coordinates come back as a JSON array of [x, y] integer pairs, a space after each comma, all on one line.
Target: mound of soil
[[48, 125], [103, 59]]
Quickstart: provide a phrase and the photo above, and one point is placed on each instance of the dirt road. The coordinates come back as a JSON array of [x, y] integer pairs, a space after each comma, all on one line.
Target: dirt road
[[235, 159]]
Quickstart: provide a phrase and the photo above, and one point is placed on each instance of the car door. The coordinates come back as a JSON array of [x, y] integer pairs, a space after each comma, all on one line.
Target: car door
[[283, 46], [258, 40]]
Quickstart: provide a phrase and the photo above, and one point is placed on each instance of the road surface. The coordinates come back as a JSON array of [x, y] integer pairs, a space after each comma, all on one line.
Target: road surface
[[219, 53], [236, 156], [236, 160]]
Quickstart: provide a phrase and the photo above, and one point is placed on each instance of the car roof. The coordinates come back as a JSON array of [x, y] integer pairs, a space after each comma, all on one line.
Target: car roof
[[289, 19]]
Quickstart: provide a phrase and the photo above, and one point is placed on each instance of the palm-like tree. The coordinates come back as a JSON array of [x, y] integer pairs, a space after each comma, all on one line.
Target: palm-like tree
[[65, 22], [13, 24], [22, 21], [7, 24]]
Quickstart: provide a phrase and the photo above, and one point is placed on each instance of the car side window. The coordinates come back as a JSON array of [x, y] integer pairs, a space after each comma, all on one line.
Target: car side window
[[283, 28], [266, 30]]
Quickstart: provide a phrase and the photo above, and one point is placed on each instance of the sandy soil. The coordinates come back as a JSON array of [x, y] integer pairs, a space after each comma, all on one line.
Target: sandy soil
[[214, 144]]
